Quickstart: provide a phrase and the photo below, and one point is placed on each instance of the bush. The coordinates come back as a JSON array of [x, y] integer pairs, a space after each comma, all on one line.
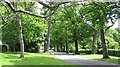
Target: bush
[[111, 52], [4, 48], [32, 47], [71, 48], [85, 51]]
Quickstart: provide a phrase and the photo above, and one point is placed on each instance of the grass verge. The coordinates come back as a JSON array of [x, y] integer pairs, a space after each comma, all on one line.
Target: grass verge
[[112, 59], [9, 58]]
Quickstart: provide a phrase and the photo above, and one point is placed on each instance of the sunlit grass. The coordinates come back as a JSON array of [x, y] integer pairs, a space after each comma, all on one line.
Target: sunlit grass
[[31, 59], [112, 59]]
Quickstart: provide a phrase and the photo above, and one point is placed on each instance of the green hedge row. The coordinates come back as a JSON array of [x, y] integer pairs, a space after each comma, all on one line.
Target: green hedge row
[[114, 52], [110, 52]]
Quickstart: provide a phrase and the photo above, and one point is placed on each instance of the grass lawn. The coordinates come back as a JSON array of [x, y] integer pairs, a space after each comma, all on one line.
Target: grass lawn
[[112, 59], [31, 59]]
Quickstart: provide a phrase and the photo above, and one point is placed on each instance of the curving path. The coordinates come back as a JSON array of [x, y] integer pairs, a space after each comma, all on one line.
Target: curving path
[[84, 62]]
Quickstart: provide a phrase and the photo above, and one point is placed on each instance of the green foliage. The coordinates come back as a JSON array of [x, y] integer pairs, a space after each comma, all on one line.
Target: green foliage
[[112, 39], [114, 52], [33, 29], [73, 21]]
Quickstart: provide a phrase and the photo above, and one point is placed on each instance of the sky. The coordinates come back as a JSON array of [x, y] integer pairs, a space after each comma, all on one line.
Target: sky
[[115, 25]]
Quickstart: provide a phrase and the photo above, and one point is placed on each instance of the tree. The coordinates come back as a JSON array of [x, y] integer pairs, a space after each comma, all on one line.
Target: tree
[[99, 16], [48, 34], [52, 10]]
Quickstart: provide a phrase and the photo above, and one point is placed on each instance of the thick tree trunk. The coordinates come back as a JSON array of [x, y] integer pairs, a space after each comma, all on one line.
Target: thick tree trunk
[[67, 51], [76, 43], [48, 34], [95, 38], [58, 50], [20, 37], [105, 52], [20, 32], [76, 47]]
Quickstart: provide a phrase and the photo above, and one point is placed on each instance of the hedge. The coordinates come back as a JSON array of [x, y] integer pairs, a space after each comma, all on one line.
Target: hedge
[[111, 52]]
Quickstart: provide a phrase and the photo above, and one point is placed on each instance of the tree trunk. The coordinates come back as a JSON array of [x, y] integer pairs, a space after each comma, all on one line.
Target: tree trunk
[[48, 34], [54, 48], [58, 50], [61, 49], [13, 46], [21, 38], [95, 38], [76, 43], [45, 44], [67, 51], [105, 52], [76, 47], [18, 20]]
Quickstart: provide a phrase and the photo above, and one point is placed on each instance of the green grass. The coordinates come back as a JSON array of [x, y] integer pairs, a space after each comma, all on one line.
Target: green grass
[[112, 59], [31, 59]]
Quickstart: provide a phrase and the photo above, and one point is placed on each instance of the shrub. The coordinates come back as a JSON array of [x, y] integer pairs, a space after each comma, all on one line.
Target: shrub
[[4, 48], [111, 52], [114, 52]]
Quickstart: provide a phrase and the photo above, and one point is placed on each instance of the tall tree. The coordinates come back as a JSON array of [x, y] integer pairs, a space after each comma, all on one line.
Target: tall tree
[[99, 16], [18, 21]]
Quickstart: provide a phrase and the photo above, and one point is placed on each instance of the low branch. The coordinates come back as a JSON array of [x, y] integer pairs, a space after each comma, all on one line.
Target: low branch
[[54, 8], [110, 25], [27, 12]]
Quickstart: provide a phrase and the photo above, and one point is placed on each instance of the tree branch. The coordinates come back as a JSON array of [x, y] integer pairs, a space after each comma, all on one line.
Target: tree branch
[[45, 5], [110, 25], [27, 12], [54, 8], [29, 6]]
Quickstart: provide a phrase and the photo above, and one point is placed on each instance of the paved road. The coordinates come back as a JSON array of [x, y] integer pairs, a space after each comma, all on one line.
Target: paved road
[[85, 62]]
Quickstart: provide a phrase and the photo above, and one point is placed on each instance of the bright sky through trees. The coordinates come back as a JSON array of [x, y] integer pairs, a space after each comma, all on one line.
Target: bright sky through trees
[[115, 25]]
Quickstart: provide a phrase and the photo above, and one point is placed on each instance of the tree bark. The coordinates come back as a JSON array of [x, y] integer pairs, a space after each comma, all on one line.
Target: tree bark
[[21, 38], [76, 43], [48, 34], [76, 47], [20, 31], [61, 49], [95, 38], [58, 50], [105, 52], [45, 44]]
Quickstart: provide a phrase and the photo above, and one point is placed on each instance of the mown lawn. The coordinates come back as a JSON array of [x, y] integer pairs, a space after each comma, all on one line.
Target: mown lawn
[[31, 59], [112, 59]]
